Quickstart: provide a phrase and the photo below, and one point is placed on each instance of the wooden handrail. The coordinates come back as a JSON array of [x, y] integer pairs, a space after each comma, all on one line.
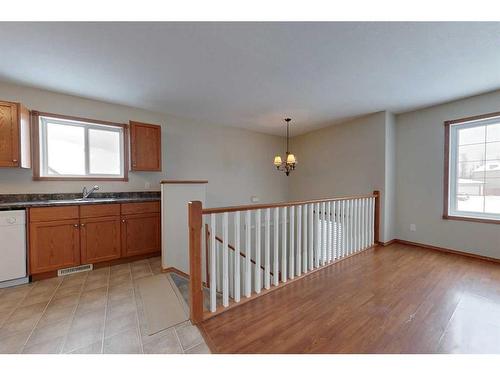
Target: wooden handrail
[[219, 210]]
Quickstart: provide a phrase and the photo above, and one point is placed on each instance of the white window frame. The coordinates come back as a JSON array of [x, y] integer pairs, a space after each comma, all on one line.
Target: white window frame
[[86, 125], [454, 127]]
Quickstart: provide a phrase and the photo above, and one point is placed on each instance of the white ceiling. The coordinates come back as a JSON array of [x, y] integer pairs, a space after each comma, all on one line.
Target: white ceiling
[[252, 75]]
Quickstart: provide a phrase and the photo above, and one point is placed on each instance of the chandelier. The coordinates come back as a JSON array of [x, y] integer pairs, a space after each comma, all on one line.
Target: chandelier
[[290, 161]]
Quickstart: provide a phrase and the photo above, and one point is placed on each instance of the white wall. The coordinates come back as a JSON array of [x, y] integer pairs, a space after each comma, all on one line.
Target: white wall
[[344, 159], [237, 163], [419, 171]]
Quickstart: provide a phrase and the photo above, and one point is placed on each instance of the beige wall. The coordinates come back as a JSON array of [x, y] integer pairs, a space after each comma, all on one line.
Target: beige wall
[[237, 163], [419, 170], [344, 159]]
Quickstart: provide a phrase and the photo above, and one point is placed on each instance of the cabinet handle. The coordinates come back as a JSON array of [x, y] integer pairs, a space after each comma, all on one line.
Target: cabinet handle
[[14, 160], [75, 225], [123, 220], [82, 225]]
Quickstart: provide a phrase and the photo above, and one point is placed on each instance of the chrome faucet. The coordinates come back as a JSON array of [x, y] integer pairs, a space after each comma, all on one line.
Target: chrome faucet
[[86, 193]]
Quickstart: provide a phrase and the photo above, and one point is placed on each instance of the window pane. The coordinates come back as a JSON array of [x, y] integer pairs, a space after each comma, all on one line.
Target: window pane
[[493, 151], [493, 133], [492, 192], [65, 150], [471, 203], [471, 135], [104, 152], [471, 152], [471, 170]]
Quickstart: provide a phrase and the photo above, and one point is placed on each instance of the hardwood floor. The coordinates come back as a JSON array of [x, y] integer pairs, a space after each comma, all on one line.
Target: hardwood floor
[[397, 299]]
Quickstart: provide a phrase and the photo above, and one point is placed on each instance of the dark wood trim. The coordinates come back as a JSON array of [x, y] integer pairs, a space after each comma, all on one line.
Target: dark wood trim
[[184, 182], [219, 210], [80, 119], [472, 118], [446, 173], [195, 261], [35, 142], [446, 250], [175, 270], [384, 244], [472, 219], [209, 315]]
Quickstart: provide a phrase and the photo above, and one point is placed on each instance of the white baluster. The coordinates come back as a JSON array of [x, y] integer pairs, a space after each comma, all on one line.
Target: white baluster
[[362, 218], [291, 256], [299, 240], [257, 277], [212, 262], [334, 229], [317, 253], [304, 238], [360, 224], [351, 226], [276, 247], [237, 249], [328, 232], [225, 255], [344, 228], [372, 222], [322, 216], [355, 225], [310, 247], [248, 254], [267, 250], [283, 246]]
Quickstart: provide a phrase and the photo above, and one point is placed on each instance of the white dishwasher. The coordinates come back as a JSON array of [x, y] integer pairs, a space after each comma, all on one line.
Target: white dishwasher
[[13, 268]]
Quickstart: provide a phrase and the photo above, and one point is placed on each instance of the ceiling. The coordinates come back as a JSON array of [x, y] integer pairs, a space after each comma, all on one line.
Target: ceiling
[[252, 75]]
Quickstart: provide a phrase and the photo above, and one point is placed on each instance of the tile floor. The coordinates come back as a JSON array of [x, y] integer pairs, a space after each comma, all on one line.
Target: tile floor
[[92, 312]]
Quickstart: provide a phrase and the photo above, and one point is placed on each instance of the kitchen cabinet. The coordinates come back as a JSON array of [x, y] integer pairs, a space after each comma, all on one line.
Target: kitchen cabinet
[[54, 245], [145, 146], [67, 236], [14, 135]]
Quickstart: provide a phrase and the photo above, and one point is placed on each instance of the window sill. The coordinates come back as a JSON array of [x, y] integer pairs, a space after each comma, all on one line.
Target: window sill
[[473, 219], [118, 179]]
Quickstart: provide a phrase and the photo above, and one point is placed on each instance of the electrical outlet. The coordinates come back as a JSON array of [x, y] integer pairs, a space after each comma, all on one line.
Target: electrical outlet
[[254, 199], [413, 227]]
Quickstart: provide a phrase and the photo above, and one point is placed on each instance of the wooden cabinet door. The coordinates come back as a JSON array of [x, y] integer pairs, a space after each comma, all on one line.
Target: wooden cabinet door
[[145, 146], [9, 135], [54, 245], [100, 239], [141, 234]]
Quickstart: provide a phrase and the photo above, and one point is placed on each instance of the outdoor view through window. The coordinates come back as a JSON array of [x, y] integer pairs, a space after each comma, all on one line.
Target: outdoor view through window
[[80, 149], [475, 169]]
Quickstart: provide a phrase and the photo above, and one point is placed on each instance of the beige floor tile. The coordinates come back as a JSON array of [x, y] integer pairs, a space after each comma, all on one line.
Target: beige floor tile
[[56, 314], [82, 338], [120, 269], [199, 349], [189, 336], [120, 293], [16, 292], [121, 307], [14, 343], [14, 327], [94, 348], [25, 312], [121, 323], [8, 305], [50, 346], [67, 301], [48, 332], [91, 319], [37, 297], [95, 284], [163, 343], [126, 342], [120, 279]]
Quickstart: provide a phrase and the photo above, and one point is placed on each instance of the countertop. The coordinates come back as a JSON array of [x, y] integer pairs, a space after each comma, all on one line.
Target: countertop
[[31, 200]]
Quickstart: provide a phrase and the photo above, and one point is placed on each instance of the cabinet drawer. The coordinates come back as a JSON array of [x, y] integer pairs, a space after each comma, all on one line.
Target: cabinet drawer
[[140, 208], [53, 213], [99, 210]]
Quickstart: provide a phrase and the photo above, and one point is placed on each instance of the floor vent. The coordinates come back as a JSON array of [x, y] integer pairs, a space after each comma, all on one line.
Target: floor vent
[[69, 271]]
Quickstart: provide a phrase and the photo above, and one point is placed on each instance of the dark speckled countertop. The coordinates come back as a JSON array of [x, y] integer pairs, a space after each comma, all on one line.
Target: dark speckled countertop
[[21, 201]]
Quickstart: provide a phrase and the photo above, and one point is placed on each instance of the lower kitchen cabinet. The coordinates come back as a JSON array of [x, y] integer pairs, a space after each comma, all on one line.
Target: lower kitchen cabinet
[[100, 239], [141, 234], [54, 245]]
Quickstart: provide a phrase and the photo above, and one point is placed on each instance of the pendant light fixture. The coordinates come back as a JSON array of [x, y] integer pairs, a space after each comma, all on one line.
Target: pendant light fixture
[[290, 160]]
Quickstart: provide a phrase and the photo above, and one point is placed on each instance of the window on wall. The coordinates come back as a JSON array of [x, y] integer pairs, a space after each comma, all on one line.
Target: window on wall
[[473, 176], [80, 149]]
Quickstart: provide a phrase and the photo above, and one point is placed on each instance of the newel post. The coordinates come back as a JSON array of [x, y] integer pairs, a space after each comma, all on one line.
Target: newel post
[[195, 263], [376, 228]]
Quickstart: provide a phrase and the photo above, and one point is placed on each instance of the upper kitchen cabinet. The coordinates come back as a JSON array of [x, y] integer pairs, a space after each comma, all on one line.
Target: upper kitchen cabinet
[[145, 146], [14, 135]]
